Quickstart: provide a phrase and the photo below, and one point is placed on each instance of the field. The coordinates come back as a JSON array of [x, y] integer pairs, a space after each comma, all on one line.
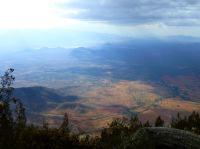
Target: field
[[98, 105]]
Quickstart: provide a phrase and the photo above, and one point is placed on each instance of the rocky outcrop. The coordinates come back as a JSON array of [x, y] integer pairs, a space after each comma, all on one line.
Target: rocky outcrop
[[162, 138]]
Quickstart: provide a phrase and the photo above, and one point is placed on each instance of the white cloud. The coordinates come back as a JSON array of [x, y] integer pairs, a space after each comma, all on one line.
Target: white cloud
[[169, 12], [20, 14], [118, 17]]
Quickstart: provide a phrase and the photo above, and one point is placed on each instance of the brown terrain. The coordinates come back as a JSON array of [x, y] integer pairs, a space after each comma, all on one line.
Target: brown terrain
[[100, 104]]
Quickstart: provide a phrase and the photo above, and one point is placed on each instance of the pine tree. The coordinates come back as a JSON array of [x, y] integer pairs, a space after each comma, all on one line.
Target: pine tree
[[65, 124], [147, 124], [159, 122]]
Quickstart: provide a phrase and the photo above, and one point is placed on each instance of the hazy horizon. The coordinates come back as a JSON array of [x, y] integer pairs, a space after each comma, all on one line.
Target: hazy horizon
[[73, 23]]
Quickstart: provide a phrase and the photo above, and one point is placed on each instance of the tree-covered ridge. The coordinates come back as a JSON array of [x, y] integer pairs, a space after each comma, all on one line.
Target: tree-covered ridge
[[15, 133]]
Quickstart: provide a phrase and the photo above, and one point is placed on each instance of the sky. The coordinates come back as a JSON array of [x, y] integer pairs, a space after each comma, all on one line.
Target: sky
[[36, 23]]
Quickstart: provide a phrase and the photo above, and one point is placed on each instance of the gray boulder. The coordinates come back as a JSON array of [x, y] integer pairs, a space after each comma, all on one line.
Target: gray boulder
[[162, 138]]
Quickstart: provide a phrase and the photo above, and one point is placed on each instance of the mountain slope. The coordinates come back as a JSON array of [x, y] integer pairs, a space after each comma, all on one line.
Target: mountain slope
[[37, 98]]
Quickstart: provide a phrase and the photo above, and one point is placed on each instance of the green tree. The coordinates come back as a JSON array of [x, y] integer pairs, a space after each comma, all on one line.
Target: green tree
[[6, 119], [12, 112], [65, 124], [159, 122], [190, 123], [147, 124], [134, 124], [6, 99]]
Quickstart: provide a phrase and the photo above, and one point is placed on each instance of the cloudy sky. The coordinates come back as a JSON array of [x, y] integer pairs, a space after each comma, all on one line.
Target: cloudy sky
[[40, 22]]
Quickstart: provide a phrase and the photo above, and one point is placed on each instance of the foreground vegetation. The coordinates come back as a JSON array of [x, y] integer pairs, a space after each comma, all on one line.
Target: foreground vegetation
[[15, 133]]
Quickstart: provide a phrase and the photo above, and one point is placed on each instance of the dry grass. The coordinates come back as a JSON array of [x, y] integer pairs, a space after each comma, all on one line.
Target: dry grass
[[100, 104], [169, 108]]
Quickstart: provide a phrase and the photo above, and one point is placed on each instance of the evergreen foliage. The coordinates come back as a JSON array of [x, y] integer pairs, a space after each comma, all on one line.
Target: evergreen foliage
[[190, 123], [159, 122]]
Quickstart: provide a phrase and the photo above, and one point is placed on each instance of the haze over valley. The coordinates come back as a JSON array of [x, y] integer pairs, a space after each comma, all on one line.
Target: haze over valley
[[96, 84]]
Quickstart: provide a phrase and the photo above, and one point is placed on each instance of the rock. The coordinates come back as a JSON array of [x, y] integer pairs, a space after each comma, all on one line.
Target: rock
[[162, 138]]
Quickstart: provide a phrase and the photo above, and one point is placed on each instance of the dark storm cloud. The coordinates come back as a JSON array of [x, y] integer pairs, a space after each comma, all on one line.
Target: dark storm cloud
[[170, 12]]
